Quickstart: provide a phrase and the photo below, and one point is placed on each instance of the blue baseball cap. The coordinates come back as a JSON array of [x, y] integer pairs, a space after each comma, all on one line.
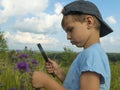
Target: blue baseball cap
[[87, 7]]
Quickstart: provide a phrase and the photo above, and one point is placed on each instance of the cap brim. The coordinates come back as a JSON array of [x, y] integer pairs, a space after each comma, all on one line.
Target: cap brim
[[104, 29]]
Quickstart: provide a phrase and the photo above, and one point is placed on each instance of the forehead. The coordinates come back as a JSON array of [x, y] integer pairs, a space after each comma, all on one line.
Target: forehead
[[67, 20]]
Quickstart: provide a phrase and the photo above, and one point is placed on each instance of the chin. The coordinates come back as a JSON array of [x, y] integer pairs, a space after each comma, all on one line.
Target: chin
[[78, 45]]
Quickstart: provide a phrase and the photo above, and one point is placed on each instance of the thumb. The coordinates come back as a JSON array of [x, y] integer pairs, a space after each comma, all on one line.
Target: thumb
[[50, 60]]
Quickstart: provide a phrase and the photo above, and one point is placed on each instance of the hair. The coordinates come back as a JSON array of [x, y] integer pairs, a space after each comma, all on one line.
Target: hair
[[81, 18]]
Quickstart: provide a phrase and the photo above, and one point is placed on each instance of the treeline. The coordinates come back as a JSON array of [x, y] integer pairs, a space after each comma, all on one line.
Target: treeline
[[66, 57], [114, 57]]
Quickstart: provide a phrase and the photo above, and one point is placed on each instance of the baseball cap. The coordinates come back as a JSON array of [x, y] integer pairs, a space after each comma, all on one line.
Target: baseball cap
[[87, 7]]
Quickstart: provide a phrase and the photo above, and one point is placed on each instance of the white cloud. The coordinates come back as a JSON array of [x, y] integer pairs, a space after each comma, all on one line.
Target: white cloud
[[21, 7], [30, 24], [19, 40], [30, 15], [111, 20], [3, 18], [44, 23], [58, 8], [30, 38], [111, 44]]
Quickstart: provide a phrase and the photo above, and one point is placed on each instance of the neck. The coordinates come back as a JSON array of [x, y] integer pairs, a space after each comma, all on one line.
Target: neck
[[93, 38]]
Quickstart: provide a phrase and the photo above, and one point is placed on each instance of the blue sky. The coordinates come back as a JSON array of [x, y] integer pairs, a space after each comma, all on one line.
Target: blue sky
[[28, 22]]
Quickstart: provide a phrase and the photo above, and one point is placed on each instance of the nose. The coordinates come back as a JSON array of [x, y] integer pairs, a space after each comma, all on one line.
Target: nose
[[68, 36]]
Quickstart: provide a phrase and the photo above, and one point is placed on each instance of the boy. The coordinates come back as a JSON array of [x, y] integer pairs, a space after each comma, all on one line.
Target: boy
[[90, 70]]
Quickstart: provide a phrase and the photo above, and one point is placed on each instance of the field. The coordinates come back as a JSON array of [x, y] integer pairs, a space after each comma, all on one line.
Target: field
[[15, 77], [115, 77]]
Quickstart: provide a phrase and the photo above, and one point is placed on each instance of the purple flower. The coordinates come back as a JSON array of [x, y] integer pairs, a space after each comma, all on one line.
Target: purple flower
[[23, 56], [12, 89], [23, 66], [34, 62], [17, 50]]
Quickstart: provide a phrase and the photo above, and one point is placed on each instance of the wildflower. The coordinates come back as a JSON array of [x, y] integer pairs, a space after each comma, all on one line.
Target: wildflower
[[34, 62], [25, 47], [23, 66], [32, 52], [17, 50], [23, 56], [12, 89]]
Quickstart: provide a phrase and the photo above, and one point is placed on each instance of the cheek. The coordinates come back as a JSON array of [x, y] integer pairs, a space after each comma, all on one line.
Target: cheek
[[80, 38], [77, 35], [78, 32]]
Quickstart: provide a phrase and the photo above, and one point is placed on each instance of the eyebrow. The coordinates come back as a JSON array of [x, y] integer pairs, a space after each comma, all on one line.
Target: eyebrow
[[68, 28]]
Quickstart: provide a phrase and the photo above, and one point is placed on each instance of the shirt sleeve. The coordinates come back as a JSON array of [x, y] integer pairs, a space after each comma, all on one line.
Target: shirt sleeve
[[93, 62]]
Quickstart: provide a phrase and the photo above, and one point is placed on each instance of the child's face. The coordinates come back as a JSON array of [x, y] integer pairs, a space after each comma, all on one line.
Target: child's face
[[77, 32]]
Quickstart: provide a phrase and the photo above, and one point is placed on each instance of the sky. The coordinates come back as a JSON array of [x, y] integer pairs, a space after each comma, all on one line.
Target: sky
[[29, 22]]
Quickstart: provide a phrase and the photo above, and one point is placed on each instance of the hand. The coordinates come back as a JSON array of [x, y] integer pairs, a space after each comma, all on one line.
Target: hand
[[39, 79], [51, 66]]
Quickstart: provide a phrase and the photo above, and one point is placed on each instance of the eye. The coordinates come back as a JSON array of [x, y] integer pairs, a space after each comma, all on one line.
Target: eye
[[70, 29]]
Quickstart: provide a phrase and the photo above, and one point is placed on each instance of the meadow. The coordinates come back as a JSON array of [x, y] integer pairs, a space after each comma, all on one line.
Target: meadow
[[16, 65]]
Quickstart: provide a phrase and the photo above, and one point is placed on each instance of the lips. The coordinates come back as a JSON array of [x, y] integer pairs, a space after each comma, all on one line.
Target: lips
[[73, 42]]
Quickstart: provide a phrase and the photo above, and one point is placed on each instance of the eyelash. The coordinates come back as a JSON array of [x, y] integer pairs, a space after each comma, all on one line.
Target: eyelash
[[70, 30]]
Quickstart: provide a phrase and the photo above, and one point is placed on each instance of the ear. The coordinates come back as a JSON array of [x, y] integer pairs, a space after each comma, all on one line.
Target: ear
[[90, 21]]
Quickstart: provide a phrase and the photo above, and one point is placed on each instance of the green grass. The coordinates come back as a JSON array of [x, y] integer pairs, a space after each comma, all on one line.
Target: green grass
[[115, 75], [11, 78]]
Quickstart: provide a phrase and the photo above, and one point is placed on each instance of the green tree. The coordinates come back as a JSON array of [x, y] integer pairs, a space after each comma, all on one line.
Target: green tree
[[3, 42], [68, 56]]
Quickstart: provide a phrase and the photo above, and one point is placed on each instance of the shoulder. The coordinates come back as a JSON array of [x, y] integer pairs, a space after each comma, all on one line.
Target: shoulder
[[94, 50], [93, 59]]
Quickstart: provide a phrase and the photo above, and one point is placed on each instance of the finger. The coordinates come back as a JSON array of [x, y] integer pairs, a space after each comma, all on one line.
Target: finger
[[47, 63], [48, 66], [50, 60], [50, 71]]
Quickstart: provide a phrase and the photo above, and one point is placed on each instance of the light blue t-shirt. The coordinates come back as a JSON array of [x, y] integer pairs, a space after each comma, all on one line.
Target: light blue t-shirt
[[92, 59]]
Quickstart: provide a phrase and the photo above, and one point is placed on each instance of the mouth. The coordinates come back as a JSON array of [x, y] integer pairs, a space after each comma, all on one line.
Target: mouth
[[73, 42], [76, 43]]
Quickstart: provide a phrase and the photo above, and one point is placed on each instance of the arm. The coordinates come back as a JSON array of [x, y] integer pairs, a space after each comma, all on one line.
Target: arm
[[89, 81], [41, 80], [52, 67]]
